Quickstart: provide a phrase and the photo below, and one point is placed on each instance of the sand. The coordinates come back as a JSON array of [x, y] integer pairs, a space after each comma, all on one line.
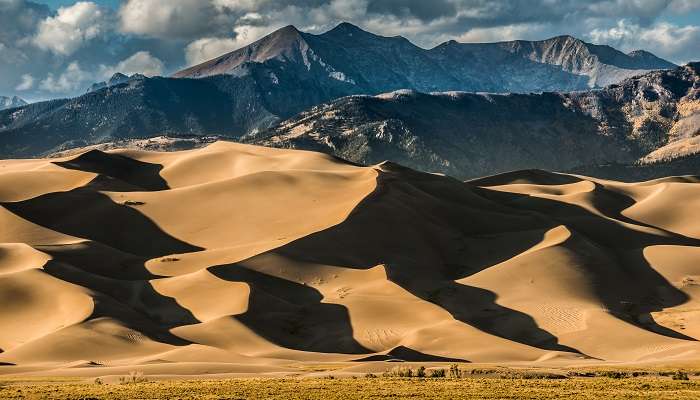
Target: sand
[[236, 259]]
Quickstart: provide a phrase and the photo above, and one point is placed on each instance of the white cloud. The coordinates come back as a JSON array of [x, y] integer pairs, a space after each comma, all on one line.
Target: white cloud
[[239, 5], [205, 49], [501, 33], [171, 19], [141, 62], [72, 79], [70, 28], [663, 39], [26, 83]]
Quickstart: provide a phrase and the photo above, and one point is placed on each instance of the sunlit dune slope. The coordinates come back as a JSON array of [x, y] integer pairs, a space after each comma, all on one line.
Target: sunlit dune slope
[[248, 258]]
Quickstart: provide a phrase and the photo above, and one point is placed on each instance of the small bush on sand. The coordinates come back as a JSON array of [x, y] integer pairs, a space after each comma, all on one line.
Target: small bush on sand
[[437, 373], [420, 372], [133, 377], [613, 374], [401, 372], [454, 371], [680, 376]]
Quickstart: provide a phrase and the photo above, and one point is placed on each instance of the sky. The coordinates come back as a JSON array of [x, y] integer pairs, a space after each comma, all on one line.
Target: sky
[[58, 48]]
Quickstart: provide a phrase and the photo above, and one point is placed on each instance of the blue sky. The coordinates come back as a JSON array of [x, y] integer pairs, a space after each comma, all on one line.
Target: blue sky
[[57, 48]]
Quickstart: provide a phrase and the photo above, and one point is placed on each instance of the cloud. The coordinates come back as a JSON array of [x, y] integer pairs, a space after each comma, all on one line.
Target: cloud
[[173, 19], [71, 28], [19, 18], [206, 49], [141, 62], [683, 6], [679, 43], [502, 33], [421, 9], [71, 80], [26, 83]]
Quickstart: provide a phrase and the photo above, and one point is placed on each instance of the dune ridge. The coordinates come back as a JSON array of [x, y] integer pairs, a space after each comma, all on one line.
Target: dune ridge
[[237, 258]]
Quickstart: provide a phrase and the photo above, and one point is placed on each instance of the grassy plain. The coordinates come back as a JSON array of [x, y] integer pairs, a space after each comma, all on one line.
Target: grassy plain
[[482, 387]]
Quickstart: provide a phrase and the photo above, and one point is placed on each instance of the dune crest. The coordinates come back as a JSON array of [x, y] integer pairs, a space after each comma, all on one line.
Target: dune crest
[[250, 258]]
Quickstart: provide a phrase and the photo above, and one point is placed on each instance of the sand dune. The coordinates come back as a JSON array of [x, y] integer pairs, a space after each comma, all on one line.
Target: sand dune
[[236, 258]]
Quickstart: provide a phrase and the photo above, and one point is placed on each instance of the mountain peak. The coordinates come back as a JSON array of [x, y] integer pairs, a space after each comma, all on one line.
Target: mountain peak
[[117, 78], [565, 38], [289, 30], [346, 28], [648, 59]]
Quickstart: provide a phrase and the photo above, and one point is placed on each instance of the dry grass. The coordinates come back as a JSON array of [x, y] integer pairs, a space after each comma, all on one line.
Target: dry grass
[[364, 388]]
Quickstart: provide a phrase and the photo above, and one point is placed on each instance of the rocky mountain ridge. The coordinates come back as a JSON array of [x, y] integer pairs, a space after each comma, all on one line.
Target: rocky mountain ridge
[[362, 62], [116, 79], [648, 120]]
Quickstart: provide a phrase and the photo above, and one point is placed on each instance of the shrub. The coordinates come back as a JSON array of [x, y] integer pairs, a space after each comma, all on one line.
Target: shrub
[[402, 372], [133, 377], [454, 371], [614, 374], [680, 376], [437, 373], [420, 372], [370, 375]]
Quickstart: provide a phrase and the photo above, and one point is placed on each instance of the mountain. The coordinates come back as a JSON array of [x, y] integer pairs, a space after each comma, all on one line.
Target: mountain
[[116, 79], [237, 259], [11, 102], [357, 61], [648, 120], [250, 90], [139, 108]]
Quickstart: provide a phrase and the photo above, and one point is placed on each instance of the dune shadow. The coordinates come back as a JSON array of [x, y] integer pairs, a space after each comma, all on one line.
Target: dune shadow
[[478, 307], [629, 287], [292, 315], [136, 304], [539, 176], [407, 227], [115, 168], [403, 353], [99, 259], [111, 262], [88, 214]]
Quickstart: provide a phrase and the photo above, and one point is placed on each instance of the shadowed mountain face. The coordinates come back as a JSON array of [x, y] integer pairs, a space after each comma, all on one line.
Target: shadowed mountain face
[[640, 128], [249, 90], [252, 257]]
